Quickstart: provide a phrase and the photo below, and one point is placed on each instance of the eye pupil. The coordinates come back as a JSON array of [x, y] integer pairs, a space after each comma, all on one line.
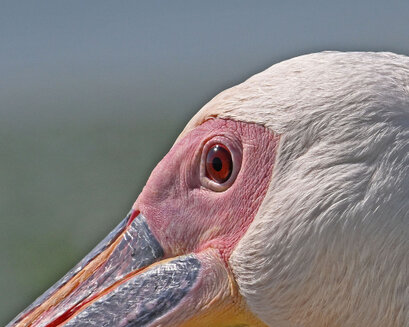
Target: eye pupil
[[219, 163]]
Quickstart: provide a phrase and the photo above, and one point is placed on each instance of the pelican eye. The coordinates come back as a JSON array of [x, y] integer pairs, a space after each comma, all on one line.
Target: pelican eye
[[219, 163]]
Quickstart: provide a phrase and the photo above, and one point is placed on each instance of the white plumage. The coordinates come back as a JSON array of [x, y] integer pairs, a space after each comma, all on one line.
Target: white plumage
[[330, 243]]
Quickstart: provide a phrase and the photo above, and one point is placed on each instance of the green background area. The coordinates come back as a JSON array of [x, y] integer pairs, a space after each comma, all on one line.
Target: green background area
[[94, 93]]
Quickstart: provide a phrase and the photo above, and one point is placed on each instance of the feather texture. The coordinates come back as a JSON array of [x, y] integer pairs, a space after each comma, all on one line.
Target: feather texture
[[329, 245]]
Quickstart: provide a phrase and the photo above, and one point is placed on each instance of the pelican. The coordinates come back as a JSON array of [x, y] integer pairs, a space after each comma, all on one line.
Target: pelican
[[284, 202]]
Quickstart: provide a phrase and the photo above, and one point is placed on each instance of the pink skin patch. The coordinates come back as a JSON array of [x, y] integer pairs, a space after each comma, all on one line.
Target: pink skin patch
[[187, 212], [183, 208]]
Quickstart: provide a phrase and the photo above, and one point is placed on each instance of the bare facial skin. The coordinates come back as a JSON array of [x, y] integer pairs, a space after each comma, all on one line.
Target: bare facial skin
[[209, 218], [167, 263]]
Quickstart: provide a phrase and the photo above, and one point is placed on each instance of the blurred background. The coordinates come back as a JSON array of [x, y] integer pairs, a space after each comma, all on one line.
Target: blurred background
[[93, 94]]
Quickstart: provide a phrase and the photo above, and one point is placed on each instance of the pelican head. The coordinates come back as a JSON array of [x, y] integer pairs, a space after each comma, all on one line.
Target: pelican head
[[284, 202]]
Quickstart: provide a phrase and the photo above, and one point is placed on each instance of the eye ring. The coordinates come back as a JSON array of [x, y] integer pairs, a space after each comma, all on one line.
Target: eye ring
[[220, 163]]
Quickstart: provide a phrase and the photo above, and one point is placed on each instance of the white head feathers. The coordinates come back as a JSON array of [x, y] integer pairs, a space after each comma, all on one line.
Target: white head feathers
[[330, 243]]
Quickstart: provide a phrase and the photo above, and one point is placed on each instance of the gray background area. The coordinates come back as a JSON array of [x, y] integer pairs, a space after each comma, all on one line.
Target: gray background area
[[93, 94]]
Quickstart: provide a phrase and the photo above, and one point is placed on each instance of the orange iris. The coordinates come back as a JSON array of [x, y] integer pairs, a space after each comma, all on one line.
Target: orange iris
[[219, 163]]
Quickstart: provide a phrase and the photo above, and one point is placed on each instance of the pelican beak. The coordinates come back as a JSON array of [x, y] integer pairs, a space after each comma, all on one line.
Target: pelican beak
[[167, 263], [127, 281]]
